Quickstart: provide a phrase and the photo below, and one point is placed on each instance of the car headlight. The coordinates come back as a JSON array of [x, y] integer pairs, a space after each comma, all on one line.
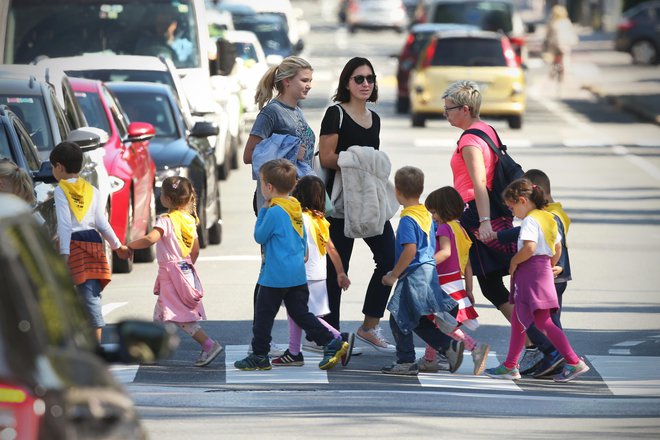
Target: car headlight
[[169, 172], [116, 184]]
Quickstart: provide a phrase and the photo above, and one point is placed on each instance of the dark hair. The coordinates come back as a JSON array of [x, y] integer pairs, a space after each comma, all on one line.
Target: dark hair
[[310, 192], [342, 94], [538, 177], [181, 192], [69, 155], [280, 173], [526, 189], [409, 181], [446, 202]]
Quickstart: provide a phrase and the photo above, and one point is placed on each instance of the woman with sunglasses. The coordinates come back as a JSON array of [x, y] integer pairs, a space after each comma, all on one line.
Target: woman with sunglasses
[[346, 124]]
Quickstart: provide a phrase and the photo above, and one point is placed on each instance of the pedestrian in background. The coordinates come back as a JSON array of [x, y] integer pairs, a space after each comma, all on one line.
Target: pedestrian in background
[[533, 292], [559, 39], [177, 286], [82, 226], [351, 123], [15, 180]]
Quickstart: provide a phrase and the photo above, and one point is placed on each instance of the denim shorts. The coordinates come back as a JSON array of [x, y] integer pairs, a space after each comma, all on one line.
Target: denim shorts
[[90, 295]]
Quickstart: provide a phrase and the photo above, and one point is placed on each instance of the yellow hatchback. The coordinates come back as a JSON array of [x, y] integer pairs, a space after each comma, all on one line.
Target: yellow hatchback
[[486, 58]]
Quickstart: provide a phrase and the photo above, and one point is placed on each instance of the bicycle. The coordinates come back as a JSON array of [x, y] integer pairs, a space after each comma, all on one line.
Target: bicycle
[[557, 67]]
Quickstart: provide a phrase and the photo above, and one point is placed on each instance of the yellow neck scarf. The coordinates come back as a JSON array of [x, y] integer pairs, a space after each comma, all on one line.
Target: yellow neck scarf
[[548, 226], [79, 194], [320, 230], [558, 210], [184, 226], [292, 207], [463, 243], [421, 215]]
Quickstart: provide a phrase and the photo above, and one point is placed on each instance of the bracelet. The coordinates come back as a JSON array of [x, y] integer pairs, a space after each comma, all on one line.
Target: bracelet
[[484, 219]]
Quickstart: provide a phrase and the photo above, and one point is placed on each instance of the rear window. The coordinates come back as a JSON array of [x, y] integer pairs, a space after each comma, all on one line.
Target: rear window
[[468, 52], [93, 109], [487, 15]]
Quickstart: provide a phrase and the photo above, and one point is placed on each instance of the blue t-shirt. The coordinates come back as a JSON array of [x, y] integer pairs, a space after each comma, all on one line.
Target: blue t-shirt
[[283, 259], [409, 231], [277, 117]]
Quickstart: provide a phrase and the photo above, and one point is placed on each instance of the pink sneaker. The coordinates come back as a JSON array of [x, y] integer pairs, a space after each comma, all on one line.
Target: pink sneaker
[[374, 337]]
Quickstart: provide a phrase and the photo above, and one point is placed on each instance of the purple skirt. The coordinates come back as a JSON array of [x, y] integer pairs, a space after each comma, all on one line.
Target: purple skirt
[[533, 288]]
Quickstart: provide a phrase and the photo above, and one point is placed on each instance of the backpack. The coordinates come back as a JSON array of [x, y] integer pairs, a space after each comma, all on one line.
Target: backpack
[[506, 171]]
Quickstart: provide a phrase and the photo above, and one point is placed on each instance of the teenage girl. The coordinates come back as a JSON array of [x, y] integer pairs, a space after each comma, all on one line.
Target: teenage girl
[[177, 286], [452, 261], [533, 292], [15, 180], [310, 192]]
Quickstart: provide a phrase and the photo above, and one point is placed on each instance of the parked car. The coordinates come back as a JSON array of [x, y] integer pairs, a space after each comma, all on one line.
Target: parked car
[[418, 37], [488, 15], [376, 14], [177, 149], [270, 30], [484, 57], [54, 380], [638, 33], [129, 164]]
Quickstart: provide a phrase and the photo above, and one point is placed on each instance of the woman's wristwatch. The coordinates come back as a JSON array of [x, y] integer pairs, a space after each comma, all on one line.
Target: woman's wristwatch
[[484, 219]]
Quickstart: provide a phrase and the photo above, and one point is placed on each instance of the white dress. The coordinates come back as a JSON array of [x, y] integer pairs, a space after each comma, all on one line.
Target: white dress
[[316, 274]]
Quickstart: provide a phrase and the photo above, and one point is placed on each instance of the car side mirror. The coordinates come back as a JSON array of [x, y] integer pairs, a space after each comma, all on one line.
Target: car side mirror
[[299, 46], [140, 132], [45, 173], [141, 341], [88, 138], [204, 129]]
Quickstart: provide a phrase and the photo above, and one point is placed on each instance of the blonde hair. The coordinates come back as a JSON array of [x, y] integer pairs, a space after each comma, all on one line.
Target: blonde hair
[[18, 180], [272, 79], [465, 92], [558, 12]]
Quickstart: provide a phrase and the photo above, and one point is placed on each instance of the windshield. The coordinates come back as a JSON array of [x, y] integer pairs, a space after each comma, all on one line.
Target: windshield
[[75, 27], [31, 110], [93, 109], [271, 34], [487, 15], [5, 151], [149, 107], [245, 51]]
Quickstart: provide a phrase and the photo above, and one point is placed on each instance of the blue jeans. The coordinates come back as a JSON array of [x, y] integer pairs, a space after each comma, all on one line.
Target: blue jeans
[[90, 295], [427, 330]]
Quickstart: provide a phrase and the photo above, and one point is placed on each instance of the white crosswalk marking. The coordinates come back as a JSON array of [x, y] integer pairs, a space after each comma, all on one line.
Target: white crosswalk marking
[[628, 375]]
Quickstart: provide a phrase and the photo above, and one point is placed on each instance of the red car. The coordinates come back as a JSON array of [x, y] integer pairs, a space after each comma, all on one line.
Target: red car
[[132, 171]]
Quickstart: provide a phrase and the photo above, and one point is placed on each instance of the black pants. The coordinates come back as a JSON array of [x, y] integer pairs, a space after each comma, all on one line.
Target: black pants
[[268, 304], [382, 248]]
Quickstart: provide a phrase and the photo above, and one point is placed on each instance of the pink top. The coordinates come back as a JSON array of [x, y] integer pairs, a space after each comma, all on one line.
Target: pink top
[[451, 264], [462, 181]]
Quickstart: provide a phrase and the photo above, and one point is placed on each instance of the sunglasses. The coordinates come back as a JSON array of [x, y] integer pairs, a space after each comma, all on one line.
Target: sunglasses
[[359, 79]]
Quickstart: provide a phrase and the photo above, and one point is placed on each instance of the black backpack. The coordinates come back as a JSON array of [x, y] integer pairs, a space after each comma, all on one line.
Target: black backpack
[[506, 171]]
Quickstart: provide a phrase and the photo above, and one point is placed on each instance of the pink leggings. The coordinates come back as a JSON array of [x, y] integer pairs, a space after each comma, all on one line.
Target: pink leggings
[[544, 323], [295, 334]]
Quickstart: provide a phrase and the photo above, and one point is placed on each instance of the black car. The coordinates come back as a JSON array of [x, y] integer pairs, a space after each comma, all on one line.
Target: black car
[[272, 32], [177, 149], [54, 380], [638, 33]]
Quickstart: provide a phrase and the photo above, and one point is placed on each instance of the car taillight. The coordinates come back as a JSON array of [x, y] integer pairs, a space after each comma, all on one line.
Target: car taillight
[[20, 413], [430, 53], [625, 25], [509, 53]]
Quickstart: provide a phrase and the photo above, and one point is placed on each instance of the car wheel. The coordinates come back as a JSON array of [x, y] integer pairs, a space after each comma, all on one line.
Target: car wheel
[[234, 156], [149, 254], [418, 120], [402, 105], [222, 171], [202, 231], [120, 265], [644, 52], [515, 122], [215, 231]]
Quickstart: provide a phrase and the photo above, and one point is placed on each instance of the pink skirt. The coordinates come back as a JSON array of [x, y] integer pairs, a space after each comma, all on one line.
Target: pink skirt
[[533, 288]]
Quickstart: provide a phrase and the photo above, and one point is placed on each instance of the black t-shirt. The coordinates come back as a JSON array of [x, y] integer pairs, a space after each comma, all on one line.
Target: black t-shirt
[[350, 133]]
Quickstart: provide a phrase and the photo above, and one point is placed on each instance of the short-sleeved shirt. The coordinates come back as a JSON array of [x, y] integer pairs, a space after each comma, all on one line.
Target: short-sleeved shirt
[[277, 117], [408, 232], [462, 180], [530, 230], [351, 133], [451, 264]]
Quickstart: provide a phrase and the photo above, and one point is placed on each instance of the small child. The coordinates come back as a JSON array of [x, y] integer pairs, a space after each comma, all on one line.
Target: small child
[[310, 192], [455, 274], [281, 232], [177, 285], [532, 286], [82, 226], [15, 180], [417, 293]]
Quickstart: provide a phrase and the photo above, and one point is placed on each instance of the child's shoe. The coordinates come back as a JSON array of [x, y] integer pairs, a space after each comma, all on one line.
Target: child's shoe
[[570, 372], [405, 369], [289, 360], [549, 363], [332, 353], [253, 362], [479, 357], [426, 366], [374, 337], [530, 360], [350, 339], [502, 372], [206, 357], [455, 355]]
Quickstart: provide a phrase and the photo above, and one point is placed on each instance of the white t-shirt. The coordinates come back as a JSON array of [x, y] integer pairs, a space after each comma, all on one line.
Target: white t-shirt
[[530, 230], [316, 264]]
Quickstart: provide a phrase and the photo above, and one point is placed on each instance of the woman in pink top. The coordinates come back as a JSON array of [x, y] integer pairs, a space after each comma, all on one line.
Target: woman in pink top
[[473, 165]]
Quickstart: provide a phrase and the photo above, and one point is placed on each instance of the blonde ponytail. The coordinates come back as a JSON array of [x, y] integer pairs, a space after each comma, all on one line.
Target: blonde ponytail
[[272, 79], [18, 180]]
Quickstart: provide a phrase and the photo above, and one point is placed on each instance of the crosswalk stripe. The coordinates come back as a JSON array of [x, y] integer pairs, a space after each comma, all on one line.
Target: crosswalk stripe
[[628, 375]]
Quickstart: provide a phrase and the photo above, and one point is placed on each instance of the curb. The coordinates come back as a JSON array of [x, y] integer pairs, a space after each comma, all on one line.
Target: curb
[[623, 104]]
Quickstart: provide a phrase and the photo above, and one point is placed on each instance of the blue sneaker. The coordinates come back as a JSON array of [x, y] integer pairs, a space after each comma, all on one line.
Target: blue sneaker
[[332, 353], [253, 362], [502, 372], [549, 363]]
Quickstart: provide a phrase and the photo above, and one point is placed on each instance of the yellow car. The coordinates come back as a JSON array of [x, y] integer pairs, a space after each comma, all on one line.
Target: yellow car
[[486, 58]]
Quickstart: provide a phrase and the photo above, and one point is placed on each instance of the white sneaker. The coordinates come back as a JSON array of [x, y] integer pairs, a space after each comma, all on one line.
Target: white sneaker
[[206, 357], [427, 366], [314, 347], [374, 337], [479, 357], [275, 350]]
